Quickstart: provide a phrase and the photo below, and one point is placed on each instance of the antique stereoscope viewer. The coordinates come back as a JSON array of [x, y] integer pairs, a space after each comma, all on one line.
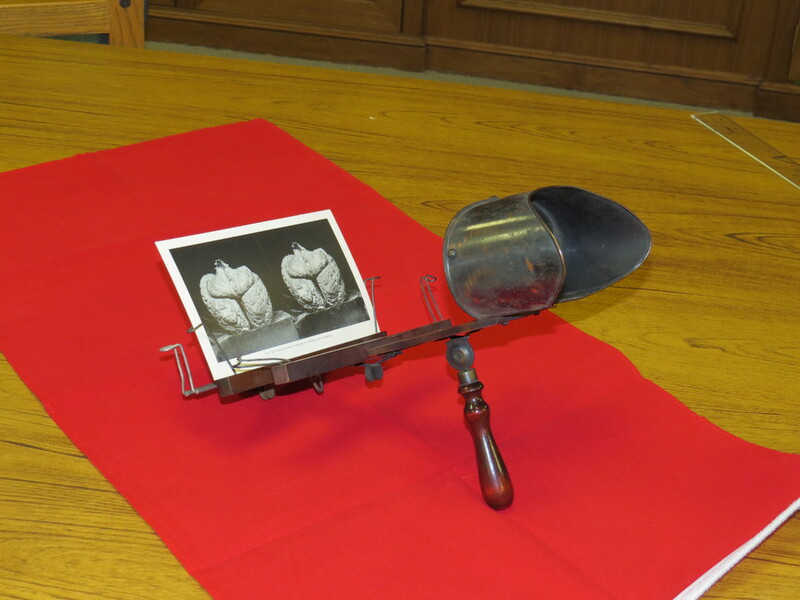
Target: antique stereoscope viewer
[[504, 258]]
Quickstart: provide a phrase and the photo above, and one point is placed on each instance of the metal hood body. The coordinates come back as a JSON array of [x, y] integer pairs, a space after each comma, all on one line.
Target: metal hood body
[[527, 252]]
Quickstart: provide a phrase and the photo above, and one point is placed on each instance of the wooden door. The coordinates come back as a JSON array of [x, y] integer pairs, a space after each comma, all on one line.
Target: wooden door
[[682, 50], [794, 62], [377, 32], [366, 15], [778, 96]]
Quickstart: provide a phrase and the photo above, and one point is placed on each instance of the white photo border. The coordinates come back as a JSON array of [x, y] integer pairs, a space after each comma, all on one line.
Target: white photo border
[[188, 258]]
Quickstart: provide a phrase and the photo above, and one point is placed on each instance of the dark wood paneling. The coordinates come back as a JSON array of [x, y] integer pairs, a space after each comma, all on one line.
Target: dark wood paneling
[[777, 98], [714, 53], [730, 41], [413, 17], [668, 85], [794, 63], [286, 39], [718, 18], [784, 41], [794, 68], [357, 15], [778, 101]]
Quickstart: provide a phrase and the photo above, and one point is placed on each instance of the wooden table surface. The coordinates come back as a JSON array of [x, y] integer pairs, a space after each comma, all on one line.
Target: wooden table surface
[[712, 316]]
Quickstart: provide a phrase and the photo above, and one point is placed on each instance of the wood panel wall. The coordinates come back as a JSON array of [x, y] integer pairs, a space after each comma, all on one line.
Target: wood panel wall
[[737, 54]]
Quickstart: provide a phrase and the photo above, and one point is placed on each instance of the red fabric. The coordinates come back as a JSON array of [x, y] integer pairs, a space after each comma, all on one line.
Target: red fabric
[[369, 490]]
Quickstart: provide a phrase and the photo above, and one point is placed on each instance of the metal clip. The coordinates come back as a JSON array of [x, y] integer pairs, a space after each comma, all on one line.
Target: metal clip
[[216, 343], [180, 357], [372, 298], [430, 301]]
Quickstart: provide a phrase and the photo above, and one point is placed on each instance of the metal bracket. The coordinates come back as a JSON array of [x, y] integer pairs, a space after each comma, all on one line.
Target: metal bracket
[[460, 354], [180, 357], [373, 371], [430, 300]]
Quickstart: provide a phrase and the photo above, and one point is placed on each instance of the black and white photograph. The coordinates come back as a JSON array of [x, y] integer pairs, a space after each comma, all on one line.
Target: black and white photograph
[[273, 290]]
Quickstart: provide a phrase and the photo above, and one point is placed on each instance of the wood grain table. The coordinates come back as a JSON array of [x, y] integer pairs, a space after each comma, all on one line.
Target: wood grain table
[[712, 316]]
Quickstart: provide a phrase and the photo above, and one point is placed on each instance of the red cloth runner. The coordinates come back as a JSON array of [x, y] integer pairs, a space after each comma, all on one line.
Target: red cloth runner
[[369, 490]]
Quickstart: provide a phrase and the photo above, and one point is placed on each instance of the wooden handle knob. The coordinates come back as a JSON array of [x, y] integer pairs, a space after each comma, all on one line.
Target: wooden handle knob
[[495, 483]]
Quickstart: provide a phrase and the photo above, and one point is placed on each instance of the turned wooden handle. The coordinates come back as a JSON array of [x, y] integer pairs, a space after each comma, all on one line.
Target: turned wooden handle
[[495, 483]]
